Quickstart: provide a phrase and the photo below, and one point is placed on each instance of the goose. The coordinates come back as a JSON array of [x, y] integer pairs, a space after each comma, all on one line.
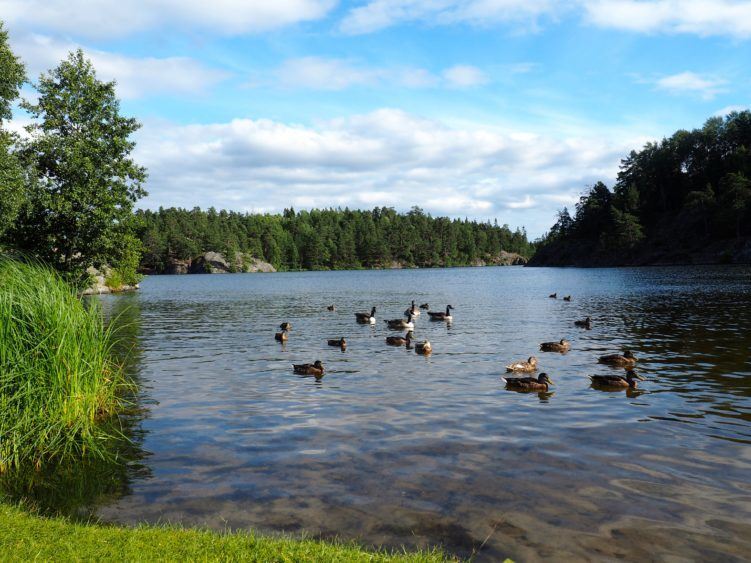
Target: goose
[[315, 369], [286, 326], [331, 307], [366, 318], [440, 316], [541, 383], [412, 310], [400, 324], [424, 348], [567, 298], [617, 381], [626, 360], [528, 366], [400, 340], [586, 323], [424, 306], [562, 346], [553, 295], [281, 336], [341, 343]]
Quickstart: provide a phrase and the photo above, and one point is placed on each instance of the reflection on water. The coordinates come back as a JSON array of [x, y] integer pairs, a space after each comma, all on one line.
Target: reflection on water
[[393, 448]]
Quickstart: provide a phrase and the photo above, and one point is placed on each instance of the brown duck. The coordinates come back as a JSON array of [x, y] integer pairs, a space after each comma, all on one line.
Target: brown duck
[[315, 369], [626, 360], [540, 383], [617, 381], [562, 346], [400, 340], [585, 323], [424, 348], [553, 295], [567, 298], [341, 343], [331, 308], [281, 336], [528, 366]]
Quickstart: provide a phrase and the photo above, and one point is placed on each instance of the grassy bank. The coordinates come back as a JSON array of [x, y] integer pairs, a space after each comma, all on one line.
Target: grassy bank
[[25, 537], [58, 383]]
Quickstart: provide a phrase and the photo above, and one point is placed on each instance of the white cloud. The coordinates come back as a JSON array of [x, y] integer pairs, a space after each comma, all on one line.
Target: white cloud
[[106, 18], [691, 83], [464, 76], [729, 109], [379, 14], [386, 157], [699, 17], [136, 77]]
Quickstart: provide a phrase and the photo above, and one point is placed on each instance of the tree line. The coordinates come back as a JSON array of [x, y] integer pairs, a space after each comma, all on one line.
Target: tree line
[[684, 192], [325, 238]]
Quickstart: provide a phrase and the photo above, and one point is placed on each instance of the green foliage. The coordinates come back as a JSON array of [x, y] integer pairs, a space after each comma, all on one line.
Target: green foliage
[[80, 203], [58, 384], [12, 76], [324, 239]]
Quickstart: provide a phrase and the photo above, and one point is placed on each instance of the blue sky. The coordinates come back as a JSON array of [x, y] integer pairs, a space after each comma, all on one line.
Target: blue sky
[[487, 109]]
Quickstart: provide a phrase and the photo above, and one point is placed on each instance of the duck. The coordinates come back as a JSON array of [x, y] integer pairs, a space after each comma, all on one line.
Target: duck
[[341, 343], [424, 348], [553, 295], [286, 326], [366, 318], [541, 383], [529, 365], [586, 323], [626, 360], [331, 308], [424, 306], [412, 310], [315, 369], [567, 298], [617, 381], [399, 324], [440, 316], [281, 336], [562, 346], [400, 340]]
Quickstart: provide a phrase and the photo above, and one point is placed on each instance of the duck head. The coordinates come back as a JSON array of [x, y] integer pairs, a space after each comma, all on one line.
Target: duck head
[[629, 354], [318, 364], [543, 378], [631, 374], [532, 361]]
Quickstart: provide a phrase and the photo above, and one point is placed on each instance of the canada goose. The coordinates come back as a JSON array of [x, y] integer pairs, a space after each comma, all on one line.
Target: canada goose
[[586, 323], [567, 298], [541, 383], [412, 310], [286, 326], [401, 324], [400, 340], [562, 346], [331, 307], [281, 336], [617, 381], [366, 318], [315, 369], [553, 295], [626, 360], [529, 365], [424, 348], [341, 343], [440, 316], [424, 306]]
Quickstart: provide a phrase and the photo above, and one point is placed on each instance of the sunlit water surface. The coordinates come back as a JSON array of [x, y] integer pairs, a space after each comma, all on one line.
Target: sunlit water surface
[[392, 448]]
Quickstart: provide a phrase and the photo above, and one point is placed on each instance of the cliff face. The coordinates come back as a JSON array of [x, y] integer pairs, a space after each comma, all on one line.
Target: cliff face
[[216, 263]]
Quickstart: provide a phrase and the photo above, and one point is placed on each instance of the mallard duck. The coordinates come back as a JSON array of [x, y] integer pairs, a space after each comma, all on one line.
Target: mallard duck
[[401, 324], [315, 369], [400, 340], [424, 348], [412, 310], [424, 306], [553, 295], [331, 308], [567, 298], [341, 343], [281, 336], [529, 365], [617, 381], [541, 383], [562, 346], [286, 326], [626, 360], [440, 316], [366, 318], [586, 323]]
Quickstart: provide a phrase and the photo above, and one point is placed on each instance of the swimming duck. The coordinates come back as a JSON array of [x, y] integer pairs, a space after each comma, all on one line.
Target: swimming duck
[[315, 369], [366, 318], [281, 336], [400, 340], [424, 348], [341, 343], [567, 298], [529, 365], [424, 306], [586, 323], [553, 295], [331, 307], [541, 383], [412, 310], [626, 360], [617, 381], [440, 316], [562, 346], [400, 324], [286, 326]]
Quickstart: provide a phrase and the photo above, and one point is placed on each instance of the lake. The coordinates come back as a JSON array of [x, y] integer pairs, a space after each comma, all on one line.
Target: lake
[[391, 448]]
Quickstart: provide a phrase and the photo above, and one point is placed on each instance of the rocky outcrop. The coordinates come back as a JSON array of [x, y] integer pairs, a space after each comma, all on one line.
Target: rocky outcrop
[[216, 263], [253, 265], [102, 282], [209, 263], [503, 259]]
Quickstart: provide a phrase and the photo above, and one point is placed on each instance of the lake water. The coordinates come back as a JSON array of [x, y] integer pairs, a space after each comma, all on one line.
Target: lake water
[[391, 448]]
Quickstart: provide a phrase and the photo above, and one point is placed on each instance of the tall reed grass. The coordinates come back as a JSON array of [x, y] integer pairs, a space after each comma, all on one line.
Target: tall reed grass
[[59, 386]]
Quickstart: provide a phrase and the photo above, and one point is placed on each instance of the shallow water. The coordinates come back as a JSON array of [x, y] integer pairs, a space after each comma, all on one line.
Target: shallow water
[[392, 448]]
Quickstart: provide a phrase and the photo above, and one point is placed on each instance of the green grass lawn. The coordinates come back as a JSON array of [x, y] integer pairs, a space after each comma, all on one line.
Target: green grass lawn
[[26, 537]]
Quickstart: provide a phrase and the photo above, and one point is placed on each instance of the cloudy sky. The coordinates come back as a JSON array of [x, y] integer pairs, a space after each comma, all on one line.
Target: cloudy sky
[[501, 109]]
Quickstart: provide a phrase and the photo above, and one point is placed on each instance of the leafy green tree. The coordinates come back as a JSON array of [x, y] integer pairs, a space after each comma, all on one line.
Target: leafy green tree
[[80, 209]]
